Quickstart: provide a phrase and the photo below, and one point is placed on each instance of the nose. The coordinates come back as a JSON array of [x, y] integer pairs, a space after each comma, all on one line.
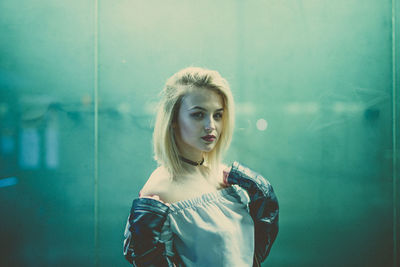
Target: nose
[[209, 125]]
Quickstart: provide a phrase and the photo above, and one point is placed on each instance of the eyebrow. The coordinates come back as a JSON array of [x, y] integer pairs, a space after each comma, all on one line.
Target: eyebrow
[[201, 108]]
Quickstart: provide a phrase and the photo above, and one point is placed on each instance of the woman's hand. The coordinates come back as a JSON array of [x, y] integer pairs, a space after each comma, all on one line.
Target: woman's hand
[[155, 197]]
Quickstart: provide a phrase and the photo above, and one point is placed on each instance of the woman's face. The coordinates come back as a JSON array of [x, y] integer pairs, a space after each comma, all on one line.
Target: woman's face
[[199, 122]]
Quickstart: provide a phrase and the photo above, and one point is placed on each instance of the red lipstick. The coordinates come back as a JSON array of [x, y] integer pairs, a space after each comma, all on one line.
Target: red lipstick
[[209, 138]]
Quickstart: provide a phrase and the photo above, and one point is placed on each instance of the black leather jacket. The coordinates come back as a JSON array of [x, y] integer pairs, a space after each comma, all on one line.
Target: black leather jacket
[[143, 247]]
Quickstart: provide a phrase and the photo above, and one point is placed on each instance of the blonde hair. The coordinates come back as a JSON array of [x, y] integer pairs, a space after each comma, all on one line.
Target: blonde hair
[[166, 152]]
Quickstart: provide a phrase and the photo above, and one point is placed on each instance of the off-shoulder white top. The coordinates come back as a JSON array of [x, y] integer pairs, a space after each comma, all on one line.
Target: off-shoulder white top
[[214, 229]]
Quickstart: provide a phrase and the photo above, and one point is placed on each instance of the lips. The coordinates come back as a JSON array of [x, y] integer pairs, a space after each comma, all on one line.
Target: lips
[[209, 138]]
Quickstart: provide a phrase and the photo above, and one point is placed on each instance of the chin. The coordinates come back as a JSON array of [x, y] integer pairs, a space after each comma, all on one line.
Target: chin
[[209, 148]]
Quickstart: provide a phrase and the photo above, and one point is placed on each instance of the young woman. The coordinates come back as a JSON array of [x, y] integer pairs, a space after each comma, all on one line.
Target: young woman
[[194, 210]]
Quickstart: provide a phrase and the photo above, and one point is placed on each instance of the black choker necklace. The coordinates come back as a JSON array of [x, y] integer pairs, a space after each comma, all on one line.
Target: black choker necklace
[[194, 163]]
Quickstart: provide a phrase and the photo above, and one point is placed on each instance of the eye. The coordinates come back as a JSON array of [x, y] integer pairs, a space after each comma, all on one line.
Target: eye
[[197, 115], [218, 116]]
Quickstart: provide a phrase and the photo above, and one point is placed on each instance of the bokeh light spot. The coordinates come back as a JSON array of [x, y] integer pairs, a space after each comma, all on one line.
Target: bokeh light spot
[[262, 125]]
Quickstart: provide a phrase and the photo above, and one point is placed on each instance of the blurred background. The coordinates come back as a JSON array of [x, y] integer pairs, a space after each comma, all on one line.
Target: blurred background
[[317, 93]]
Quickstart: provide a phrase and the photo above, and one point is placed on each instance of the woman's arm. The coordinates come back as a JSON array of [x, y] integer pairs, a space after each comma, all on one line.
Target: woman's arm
[[143, 245], [264, 208]]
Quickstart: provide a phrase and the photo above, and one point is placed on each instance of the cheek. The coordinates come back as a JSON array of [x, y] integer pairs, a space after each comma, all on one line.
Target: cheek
[[219, 127], [187, 127]]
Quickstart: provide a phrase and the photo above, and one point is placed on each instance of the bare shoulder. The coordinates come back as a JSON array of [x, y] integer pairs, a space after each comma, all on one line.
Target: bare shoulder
[[223, 166], [157, 184]]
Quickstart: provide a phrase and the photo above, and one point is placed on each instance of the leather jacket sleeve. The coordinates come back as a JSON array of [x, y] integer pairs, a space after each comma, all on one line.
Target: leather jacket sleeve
[[142, 244], [263, 207]]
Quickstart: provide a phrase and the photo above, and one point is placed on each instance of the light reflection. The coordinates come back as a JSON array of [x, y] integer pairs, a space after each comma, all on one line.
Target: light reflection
[[262, 125], [10, 181]]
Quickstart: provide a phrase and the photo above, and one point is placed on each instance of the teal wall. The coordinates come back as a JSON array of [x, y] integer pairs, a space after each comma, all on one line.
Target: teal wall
[[78, 88]]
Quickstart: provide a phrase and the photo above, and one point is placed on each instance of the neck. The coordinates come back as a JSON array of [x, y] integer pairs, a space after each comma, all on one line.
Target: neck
[[192, 162], [191, 155]]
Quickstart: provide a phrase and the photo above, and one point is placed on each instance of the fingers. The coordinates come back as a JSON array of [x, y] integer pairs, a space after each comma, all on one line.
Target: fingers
[[155, 197]]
